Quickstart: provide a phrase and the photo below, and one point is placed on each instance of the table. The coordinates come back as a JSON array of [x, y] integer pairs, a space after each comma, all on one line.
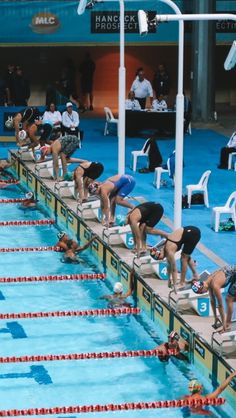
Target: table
[[138, 120]]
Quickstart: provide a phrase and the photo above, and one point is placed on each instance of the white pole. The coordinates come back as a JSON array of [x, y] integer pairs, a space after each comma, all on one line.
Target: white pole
[[122, 80], [182, 17], [179, 121]]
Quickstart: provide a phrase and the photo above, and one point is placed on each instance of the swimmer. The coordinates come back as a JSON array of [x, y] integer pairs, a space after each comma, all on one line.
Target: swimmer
[[85, 174], [67, 244], [113, 192], [29, 201], [196, 388], [4, 165], [184, 239], [220, 279], [173, 343], [118, 298], [142, 220]]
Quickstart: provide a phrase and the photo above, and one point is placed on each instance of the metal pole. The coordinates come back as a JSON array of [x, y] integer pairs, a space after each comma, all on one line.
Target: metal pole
[[179, 141], [122, 82]]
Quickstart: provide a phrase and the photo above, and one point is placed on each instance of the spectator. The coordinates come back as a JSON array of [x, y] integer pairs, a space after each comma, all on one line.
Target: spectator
[[21, 92], [159, 104], [142, 89], [3, 92], [70, 120], [87, 69], [220, 279], [53, 117], [161, 81], [9, 78], [187, 113], [225, 151], [154, 155], [131, 103]]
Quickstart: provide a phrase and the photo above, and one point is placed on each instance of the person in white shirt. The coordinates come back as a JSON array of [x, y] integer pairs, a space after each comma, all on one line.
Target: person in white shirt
[[159, 104], [70, 120], [142, 89], [131, 103], [225, 151], [53, 117]]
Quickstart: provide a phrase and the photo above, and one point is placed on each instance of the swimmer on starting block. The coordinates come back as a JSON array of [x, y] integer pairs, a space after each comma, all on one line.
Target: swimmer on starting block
[[173, 343], [118, 298], [196, 388], [71, 247]]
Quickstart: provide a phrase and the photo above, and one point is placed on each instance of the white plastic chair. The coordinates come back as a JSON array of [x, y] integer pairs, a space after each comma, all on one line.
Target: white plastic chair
[[228, 208], [109, 119], [136, 154], [201, 186], [157, 176], [231, 155]]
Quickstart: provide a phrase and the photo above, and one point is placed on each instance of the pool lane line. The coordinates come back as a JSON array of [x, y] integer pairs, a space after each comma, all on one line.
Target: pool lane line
[[180, 403], [38, 222], [12, 200], [54, 278], [90, 356], [87, 312], [29, 249]]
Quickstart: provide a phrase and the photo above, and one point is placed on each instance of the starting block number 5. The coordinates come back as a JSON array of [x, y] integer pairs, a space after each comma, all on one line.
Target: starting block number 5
[[129, 242]]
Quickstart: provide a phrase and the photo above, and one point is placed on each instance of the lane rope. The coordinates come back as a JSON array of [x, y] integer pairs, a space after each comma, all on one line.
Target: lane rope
[[113, 407], [54, 278], [10, 181], [89, 356], [28, 249], [12, 200], [87, 312], [28, 223]]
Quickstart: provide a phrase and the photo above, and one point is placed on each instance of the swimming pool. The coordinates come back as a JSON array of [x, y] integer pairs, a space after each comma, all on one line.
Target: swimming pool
[[82, 382]]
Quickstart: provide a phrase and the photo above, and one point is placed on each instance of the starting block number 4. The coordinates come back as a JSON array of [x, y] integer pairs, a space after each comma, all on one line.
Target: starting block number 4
[[163, 273], [203, 306]]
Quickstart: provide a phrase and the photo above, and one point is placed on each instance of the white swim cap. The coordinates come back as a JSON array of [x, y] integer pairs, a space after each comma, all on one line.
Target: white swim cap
[[22, 135], [61, 234], [118, 287], [29, 195]]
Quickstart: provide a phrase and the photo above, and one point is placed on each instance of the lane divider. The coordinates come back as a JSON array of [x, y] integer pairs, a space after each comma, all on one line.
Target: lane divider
[[88, 356], [113, 407], [56, 277], [87, 312], [28, 223], [12, 200], [28, 249], [10, 181]]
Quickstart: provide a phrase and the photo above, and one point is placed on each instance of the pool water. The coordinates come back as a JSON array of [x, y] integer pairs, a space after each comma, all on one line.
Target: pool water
[[83, 382]]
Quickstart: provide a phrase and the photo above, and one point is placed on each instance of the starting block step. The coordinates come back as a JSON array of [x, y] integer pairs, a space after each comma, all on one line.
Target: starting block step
[[225, 343], [122, 234], [26, 154], [65, 189], [90, 209], [45, 169], [147, 265]]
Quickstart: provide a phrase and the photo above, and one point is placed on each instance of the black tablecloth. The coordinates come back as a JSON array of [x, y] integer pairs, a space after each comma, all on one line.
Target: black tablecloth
[[139, 120]]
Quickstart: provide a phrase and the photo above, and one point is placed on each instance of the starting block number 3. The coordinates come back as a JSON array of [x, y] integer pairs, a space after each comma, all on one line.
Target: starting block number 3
[[203, 306]]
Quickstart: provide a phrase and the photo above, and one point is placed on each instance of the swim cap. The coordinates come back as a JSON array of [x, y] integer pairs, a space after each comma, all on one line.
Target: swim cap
[[22, 135], [155, 254], [9, 123], [44, 150], [93, 187], [97, 170], [198, 287], [118, 287], [68, 176], [61, 234], [29, 195], [194, 385], [174, 336]]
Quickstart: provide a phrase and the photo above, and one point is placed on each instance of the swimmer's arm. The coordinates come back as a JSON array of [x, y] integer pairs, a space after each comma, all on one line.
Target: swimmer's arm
[[222, 387], [172, 266], [84, 247], [105, 206], [62, 245], [55, 165], [218, 295], [76, 160], [63, 163], [131, 288], [79, 189], [106, 297]]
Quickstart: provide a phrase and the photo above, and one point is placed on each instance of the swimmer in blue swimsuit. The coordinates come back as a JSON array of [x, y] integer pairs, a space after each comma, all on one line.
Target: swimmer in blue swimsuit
[[118, 298], [226, 276], [113, 192]]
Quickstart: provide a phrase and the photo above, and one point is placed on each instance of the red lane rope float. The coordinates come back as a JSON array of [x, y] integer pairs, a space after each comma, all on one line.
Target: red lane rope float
[[28, 249], [89, 356], [88, 312], [113, 407], [22, 223], [56, 277], [10, 181], [12, 200]]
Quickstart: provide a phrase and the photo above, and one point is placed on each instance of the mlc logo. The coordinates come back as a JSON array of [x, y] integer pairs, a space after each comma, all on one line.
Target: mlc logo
[[45, 23]]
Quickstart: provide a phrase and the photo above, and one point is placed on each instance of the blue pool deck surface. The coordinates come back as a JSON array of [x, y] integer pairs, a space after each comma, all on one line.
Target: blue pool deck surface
[[102, 381]]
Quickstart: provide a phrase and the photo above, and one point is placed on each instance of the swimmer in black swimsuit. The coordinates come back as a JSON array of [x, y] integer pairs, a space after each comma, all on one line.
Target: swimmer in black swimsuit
[[70, 245], [173, 343], [185, 238], [118, 298], [142, 220], [85, 174]]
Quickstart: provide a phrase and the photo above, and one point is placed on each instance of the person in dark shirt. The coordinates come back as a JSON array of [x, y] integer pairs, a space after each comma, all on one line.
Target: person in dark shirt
[[161, 81], [87, 69], [21, 91], [3, 92], [9, 79]]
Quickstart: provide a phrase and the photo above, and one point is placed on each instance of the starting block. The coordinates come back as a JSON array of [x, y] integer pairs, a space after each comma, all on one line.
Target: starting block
[[147, 265], [26, 154], [123, 233], [45, 169], [65, 189], [90, 209], [199, 303], [225, 343]]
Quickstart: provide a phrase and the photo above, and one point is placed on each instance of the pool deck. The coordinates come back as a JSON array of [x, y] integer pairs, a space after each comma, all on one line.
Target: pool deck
[[159, 286]]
